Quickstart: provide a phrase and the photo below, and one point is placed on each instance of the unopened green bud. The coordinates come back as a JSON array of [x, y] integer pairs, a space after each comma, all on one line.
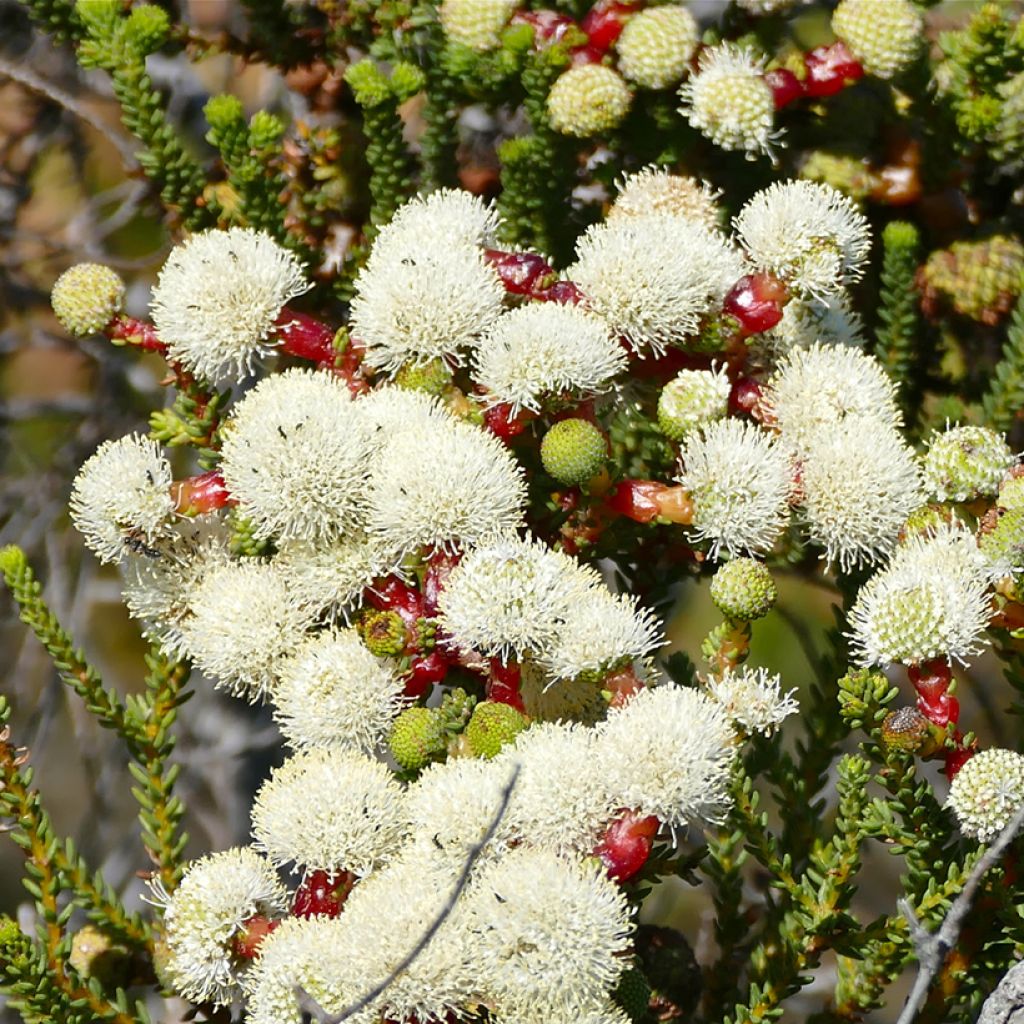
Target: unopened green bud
[[588, 100], [884, 37], [86, 297], [1001, 539], [691, 399], [633, 994], [476, 23], [966, 463], [431, 378], [573, 451], [492, 726], [456, 709], [656, 46], [907, 729], [406, 80], [417, 738], [94, 954], [743, 589], [1011, 493], [924, 520], [383, 632], [223, 111]]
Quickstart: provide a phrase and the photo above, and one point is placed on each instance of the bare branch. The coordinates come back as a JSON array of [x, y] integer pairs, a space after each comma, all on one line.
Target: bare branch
[[310, 1007], [932, 949]]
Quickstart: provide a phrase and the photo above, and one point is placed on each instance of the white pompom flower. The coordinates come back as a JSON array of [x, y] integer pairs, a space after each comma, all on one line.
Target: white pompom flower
[[122, 493], [808, 234], [294, 459], [987, 792], [217, 300], [447, 216], [653, 278], [653, 190], [753, 699], [807, 322], [963, 463], [543, 350], [740, 480], [334, 693], [216, 897], [329, 810]]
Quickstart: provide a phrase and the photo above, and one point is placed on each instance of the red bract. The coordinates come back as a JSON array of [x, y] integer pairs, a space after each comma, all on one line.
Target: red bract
[[548, 26], [604, 23], [503, 685], [956, 759], [245, 945], [627, 844], [745, 396], [564, 292], [756, 302], [785, 86], [501, 421], [636, 499], [425, 671], [322, 894], [127, 330], [830, 69], [520, 272], [304, 336], [197, 495]]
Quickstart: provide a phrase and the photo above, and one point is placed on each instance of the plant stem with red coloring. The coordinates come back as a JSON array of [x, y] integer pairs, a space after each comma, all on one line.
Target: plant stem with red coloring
[[129, 330]]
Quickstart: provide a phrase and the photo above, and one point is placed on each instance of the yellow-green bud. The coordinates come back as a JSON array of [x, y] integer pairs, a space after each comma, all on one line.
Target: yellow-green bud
[[656, 46], [845, 173], [417, 738], [383, 632], [573, 451], [431, 378], [94, 954], [965, 463], [907, 729], [743, 589], [492, 726], [86, 297], [476, 23], [1001, 539], [588, 100], [978, 279], [885, 37], [924, 520], [1011, 493], [691, 399]]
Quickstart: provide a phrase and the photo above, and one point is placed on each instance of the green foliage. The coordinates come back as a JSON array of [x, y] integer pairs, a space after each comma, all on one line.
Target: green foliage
[[1005, 396]]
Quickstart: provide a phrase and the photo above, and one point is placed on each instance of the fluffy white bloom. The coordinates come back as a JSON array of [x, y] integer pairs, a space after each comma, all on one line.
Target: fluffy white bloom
[[987, 792], [122, 494], [822, 385], [218, 297], [390, 409], [963, 463], [807, 233], [335, 693], [544, 349], [447, 216], [424, 300], [807, 322], [293, 457], [244, 621], [560, 700], [601, 631], [159, 581], [739, 479], [728, 100], [443, 484], [753, 698], [549, 933], [652, 278], [656, 45], [858, 483], [691, 399], [560, 800], [216, 897], [653, 190], [476, 23], [510, 597], [331, 810], [930, 601], [668, 752]]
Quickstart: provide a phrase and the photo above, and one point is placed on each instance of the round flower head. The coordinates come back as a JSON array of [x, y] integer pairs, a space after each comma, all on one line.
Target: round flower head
[[807, 322], [208, 910], [964, 463], [389, 410], [743, 589], [656, 46], [739, 480], [858, 483], [421, 300], [329, 810], [218, 298], [729, 101], [588, 100], [987, 792], [653, 278], [885, 38], [550, 933], [601, 632], [1001, 541], [244, 622], [544, 349], [573, 451], [86, 297], [560, 800], [559, 700], [930, 601], [668, 752], [293, 457], [334, 693], [691, 399], [1011, 492], [448, 216], [817, 387], [508, 598], [753, 699], [807, 233], [122, 495], [446, 484], [476, 23], [653, 190]]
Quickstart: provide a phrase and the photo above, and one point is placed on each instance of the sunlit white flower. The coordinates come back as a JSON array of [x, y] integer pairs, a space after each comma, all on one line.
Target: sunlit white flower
[[753, 698], [963, 463], [691, 399], [447, 216], [335, 693], [652, 278], [123, 491], [218, 297], [987, 792], [389, 409], [740, 480], [653, 190], [542, 350], [807, 322], [331, 810], [209, 908]]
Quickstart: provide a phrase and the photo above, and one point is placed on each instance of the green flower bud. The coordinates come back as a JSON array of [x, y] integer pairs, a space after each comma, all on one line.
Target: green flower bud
[[588, 100], [94, 954], [656, 46], [924, 520], [86, 297], [383, 632], [476, 23], [633, 994], [1001, 539], [692, 398], [884, 37], [846, 174], [223, 111], [966, 463], [431, 378], [492, 726], [1011, 493], [978, 279], [907, 729], [147, 28], [743, 589], [368, 84], [573, 451], [417, 738]]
